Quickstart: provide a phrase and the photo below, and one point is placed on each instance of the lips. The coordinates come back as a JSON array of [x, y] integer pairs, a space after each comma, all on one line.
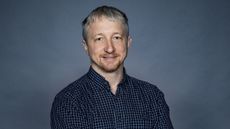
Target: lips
[[109, 57]]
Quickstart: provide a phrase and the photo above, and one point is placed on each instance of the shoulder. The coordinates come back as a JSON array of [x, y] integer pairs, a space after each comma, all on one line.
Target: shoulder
[[74, 90], [68, 108]]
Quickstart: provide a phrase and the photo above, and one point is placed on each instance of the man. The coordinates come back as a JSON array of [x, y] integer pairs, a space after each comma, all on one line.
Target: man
[[106, 97]]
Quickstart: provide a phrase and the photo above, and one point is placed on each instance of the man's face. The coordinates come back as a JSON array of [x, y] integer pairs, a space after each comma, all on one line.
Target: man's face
[[107, 44]]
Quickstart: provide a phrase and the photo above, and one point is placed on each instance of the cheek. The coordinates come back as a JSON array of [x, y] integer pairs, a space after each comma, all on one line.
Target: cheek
[[94, 51], [122, 49]]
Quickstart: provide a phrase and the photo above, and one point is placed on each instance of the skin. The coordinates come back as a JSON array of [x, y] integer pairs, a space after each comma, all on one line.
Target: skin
[[107, 46]]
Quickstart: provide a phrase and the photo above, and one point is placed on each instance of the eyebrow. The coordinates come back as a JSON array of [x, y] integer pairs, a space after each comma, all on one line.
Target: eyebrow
[[101, 34], [117, 33]]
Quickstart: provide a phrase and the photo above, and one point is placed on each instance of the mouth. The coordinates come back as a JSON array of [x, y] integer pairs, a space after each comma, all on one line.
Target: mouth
[[109, 58]]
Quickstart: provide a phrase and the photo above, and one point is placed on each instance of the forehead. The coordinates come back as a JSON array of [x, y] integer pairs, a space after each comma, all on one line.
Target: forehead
[[104, 24]]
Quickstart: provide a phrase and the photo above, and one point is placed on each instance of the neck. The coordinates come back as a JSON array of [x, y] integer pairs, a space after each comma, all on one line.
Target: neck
[[114, 78]]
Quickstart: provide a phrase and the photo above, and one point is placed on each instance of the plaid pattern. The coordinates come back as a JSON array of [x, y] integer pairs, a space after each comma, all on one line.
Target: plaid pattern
[[88, 103]]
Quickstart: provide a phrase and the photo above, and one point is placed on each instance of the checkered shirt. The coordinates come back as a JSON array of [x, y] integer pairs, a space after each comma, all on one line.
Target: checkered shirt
[[88, 103]]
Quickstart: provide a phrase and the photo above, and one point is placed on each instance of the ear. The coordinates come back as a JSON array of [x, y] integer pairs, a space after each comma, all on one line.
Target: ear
[[129, 41], [85, 46]]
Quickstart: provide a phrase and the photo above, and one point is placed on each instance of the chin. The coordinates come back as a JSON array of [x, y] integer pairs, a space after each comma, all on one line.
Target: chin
[[110, 70], [108, 67]]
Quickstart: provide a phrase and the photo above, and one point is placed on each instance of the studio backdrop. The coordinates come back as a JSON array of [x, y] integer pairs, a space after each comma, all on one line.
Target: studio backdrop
[[183, 47]]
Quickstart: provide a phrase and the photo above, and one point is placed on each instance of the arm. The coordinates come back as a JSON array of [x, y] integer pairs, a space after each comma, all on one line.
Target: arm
[[67, 114], [164, 121]]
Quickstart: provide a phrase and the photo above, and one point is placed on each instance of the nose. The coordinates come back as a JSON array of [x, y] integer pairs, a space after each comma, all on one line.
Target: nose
[[109, 47]]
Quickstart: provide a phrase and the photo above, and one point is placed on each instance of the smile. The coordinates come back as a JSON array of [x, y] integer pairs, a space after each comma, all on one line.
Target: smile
[[109, 57]]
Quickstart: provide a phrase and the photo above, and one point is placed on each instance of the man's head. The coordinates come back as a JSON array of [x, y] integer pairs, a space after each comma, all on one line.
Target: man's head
[[109, 12], [106, 38]]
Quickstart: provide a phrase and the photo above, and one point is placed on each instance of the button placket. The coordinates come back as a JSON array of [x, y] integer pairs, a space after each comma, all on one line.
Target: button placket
[[118, 111]]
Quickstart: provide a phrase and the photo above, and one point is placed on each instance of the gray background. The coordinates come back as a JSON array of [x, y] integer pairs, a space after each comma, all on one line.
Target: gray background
[[181, 46]]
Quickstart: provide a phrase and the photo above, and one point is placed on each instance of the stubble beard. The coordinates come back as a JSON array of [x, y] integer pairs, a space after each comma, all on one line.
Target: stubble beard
[[108, 68]]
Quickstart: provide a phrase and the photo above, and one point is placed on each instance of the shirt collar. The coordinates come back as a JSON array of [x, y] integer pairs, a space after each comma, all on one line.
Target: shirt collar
[[100, 80]]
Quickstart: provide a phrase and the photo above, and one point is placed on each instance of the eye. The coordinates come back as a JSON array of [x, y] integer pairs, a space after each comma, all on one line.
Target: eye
[[98, 39], [117, 37]]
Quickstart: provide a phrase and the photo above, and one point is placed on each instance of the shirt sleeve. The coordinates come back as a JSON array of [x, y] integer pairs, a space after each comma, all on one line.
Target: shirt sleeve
[[164, 121], [66, 114]]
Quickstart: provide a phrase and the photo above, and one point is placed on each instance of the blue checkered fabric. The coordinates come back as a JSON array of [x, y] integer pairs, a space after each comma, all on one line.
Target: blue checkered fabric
[[88, 103]]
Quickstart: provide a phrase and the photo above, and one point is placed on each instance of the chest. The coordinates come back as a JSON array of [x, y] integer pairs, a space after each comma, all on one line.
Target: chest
[[123, 111]]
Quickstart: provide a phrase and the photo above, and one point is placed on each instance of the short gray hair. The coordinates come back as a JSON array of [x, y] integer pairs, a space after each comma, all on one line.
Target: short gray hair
[[108, 12]]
